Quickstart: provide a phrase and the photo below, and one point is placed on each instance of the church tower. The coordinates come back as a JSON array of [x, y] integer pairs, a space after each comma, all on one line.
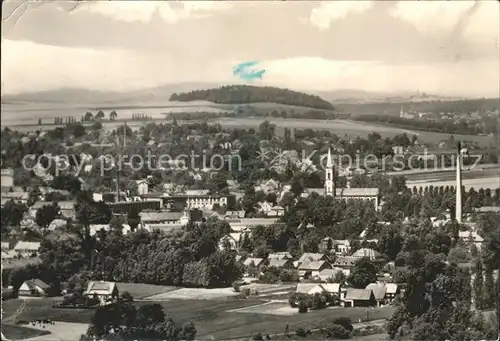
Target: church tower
[[329, 181]]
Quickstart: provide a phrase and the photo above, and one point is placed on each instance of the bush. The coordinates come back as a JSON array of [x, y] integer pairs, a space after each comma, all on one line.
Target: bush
[[258, 337], [292, 300], [302, 307], [318, 301], [336, 331], [126, 296], [301, 332], [344, 322], [236, 286]]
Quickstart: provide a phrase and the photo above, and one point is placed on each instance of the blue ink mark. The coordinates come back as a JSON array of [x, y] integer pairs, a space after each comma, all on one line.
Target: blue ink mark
[[244, 71]]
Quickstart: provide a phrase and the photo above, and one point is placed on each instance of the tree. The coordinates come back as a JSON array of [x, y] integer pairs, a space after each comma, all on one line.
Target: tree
[[478, 284], [12, 213], [112, 115], [46, 214], [88, 116], [390, 242], [100, 115], [363, 273], [133, 218]]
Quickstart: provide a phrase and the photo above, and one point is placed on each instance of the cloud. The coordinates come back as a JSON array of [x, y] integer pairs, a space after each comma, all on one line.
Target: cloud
[[144, 11], [327, 12], [120, 70], [470, 17]]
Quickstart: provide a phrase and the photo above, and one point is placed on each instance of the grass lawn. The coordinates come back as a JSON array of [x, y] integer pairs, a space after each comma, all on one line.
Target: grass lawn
[[13, 332], [139, 290], [213, 321], [211, 317]]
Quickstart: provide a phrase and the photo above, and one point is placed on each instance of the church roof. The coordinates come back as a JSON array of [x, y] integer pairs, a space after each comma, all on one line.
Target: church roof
[[357, 192]]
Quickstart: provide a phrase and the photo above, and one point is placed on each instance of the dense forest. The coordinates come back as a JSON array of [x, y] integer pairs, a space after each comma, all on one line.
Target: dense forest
[[240, 94]]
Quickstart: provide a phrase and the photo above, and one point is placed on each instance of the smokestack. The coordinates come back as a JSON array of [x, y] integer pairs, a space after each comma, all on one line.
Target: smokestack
[[458, 201]]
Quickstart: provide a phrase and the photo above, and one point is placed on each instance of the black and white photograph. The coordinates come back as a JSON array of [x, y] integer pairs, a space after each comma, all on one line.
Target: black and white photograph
[[250, 170]]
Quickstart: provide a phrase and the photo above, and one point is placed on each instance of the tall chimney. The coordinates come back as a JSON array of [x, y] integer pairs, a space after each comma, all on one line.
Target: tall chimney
[[458, 201]]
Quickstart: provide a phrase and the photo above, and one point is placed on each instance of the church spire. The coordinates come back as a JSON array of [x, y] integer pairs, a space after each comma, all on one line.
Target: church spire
[[329, 184]]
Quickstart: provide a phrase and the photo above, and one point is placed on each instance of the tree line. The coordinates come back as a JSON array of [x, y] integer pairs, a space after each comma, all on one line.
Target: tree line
[[239, 94]]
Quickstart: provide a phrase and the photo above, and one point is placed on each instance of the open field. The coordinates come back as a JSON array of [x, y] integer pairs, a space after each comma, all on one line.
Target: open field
[[490, 182], [24, 117], [213, 318], [140, 290], [15, 332]]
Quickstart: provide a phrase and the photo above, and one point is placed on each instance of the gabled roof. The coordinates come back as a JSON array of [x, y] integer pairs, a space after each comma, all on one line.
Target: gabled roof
[[160, 216], [278, 263], [280, 255], [30, 246], [311, 256], [34, 283], [331, 287], [467, 234], [306, 288], [254, 261], [379, 290], [100, 288], [312, 265], [327, 273], [364, 252], [358, 294], [345, 261], [357, 192]]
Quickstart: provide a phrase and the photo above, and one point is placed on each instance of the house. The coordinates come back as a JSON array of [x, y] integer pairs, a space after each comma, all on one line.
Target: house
[[230, 241], [234, 214], [142, 186], [397, 150], [281, 263], [328, 274], [471, 237], [33, 287], [95, 228], [256, 262], [104, 291], [267, 186], [359, 298], [345, 263], [21, 197], [7, 178], [271, 211], [280, 255], [27, 249], [392, 290], [311, 269], [379, 292], [311, 257], [335, 289], [163, 217], [364, 252], [5, 246], [309, 288]]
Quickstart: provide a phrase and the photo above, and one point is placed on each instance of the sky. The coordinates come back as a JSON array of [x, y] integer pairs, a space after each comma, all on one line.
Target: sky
[[444, 48]]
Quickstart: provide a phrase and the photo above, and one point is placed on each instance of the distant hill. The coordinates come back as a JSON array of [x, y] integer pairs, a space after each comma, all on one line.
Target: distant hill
[[361, 96], [242, 94], [96, 98]]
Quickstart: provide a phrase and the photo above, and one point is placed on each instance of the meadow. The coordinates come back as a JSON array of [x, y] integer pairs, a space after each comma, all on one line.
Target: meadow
[[24, 117], [213, 318]]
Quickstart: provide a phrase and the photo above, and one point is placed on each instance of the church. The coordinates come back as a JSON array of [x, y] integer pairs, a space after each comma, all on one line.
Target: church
[[371, 194]]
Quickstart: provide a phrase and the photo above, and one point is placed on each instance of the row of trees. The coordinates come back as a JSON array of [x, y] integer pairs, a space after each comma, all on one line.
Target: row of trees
[[99, 116]]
